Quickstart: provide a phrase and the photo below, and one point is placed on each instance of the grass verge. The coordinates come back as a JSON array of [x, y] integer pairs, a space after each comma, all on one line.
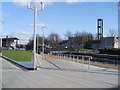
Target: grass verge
[[18, 55]]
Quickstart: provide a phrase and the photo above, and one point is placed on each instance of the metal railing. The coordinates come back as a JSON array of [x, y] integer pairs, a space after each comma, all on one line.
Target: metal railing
[[76, 58]]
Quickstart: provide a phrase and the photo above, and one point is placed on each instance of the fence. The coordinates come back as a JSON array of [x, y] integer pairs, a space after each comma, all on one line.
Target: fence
[[75, 58], [90, 60]]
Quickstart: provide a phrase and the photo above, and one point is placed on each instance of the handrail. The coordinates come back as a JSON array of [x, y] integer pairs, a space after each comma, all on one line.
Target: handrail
[[72, 57]]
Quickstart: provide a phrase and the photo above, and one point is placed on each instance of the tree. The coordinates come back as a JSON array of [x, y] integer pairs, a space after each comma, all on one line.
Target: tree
[[30, 43], [89, 40], [54, 38], [85, 38], [78, 37], [68, 34], [29, 46], [113, 33]]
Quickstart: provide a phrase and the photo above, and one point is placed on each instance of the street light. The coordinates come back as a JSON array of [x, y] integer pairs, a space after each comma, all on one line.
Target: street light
[[43, 41], [1, 25], [37, 42], [35, 9], [42, 26]]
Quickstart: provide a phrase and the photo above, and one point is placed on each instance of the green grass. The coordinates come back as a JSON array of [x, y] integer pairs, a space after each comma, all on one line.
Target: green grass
[[18, 55]]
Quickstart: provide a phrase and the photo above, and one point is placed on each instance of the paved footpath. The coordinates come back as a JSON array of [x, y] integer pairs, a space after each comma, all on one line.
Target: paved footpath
[[58, 74]]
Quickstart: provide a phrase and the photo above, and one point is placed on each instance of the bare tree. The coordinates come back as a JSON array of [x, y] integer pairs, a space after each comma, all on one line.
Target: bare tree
[[38, 40], [53, 38], [68, 34], [113, 33], [83, 38], [78, 37]]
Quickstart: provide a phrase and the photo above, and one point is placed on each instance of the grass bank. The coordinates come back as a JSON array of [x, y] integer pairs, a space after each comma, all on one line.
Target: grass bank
[[18, 55]]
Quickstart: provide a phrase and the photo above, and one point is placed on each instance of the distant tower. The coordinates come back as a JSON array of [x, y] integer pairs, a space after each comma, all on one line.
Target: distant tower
[[100, 29]]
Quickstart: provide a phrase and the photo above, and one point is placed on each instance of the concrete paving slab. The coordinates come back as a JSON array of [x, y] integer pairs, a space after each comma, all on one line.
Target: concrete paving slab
[[68, 75]]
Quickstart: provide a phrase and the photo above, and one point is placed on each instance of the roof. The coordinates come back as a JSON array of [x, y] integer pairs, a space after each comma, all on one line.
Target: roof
[[10, 38]]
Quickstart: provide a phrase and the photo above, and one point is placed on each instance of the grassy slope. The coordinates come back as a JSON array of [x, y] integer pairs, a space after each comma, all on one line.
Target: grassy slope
[[18, 55]]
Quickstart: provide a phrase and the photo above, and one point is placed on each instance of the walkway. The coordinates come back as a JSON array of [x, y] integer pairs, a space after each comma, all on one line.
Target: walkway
[[58, 74]]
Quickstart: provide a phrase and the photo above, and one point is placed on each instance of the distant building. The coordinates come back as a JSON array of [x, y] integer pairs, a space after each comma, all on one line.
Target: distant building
[[14, 43], [106, 42], [10, 42], [23, 41], [70, 43]]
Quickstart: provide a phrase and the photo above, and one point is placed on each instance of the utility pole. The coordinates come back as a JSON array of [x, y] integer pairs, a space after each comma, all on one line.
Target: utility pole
[[35, 9]]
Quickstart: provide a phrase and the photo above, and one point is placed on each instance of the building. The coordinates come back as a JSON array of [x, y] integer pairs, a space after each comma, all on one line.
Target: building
[[22, 43], [14, 43], [10, 43], [99, 29], [106, 42], [70, 43]]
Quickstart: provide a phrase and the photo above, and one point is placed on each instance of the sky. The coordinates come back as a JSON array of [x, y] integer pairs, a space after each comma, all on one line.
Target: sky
[[59, 17]]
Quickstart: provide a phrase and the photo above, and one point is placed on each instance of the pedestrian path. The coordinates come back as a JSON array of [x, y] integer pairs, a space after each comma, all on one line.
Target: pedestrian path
[[58, 74]]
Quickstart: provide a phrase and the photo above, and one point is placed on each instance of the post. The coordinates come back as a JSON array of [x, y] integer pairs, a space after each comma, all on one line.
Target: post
[[43, 44], [89, 63], [82, 60], [77, 59], [67, 57], [35, 16], [1, 40], [34, 50], [73, 58], [1, 46], [64, 57], [37, 42], [70, 57]]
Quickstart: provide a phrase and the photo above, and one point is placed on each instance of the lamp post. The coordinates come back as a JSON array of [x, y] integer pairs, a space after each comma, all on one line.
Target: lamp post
[[43, 41], [37, 42], [35, 9], [1, 25]]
